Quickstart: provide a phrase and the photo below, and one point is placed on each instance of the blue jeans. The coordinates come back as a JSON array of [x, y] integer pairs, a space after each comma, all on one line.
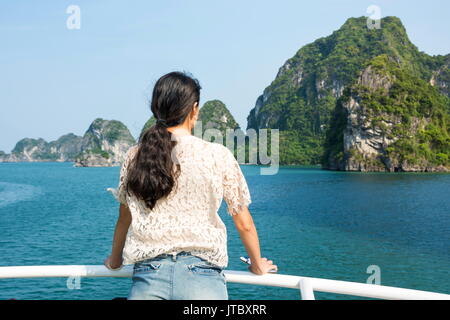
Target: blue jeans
[[180, 277]]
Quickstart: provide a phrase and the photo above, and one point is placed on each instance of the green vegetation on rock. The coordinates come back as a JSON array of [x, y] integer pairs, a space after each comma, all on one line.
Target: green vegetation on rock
[[407, 113], [304, 99], [215, 115], [108, 139]]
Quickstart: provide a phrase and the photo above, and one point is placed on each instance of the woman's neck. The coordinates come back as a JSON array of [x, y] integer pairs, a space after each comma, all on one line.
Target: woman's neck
[[181, 130]]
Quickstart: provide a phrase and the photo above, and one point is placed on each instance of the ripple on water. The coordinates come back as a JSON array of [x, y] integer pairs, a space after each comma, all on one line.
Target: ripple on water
[[14, 192]]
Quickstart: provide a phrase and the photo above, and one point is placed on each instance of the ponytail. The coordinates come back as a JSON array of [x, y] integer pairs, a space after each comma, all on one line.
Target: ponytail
[[152, 173]]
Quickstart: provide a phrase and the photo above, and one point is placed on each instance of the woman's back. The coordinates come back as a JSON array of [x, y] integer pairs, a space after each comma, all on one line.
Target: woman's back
[[171, 187], [187, 219]]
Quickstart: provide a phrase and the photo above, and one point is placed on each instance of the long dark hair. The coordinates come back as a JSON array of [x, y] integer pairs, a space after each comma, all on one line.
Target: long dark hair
[[152, 173]]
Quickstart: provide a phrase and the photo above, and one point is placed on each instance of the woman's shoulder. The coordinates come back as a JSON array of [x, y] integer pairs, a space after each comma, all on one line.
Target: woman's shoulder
[[208, 146], [194, 143], [207, 151]]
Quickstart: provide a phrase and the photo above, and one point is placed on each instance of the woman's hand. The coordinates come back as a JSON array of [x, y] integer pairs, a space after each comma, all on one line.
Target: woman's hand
[[113, 263], [263, 267]]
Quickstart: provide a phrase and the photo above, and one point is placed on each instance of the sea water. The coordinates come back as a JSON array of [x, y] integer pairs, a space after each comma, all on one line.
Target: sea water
[[310, 222]]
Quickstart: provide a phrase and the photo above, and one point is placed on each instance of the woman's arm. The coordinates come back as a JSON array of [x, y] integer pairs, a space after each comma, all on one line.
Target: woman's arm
[[114, 261], [249, 236]]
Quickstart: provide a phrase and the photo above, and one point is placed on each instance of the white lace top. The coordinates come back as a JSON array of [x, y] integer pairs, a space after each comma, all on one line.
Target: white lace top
[[187, 220]]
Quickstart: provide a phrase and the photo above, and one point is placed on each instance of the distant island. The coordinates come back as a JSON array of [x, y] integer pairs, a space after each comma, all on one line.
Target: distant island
[[105, 142], [357, 100]]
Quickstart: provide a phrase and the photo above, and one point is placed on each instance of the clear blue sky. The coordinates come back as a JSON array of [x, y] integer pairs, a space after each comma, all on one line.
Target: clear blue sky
[[54, 81]]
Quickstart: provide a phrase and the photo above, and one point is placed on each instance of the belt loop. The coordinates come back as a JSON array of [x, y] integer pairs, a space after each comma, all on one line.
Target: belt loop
[[174, 256]]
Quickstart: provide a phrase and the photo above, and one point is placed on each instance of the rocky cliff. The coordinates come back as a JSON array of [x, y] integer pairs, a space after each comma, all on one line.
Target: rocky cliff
[[215, 115], [441, 77], [302, 100], [389, 120], [105, 143]]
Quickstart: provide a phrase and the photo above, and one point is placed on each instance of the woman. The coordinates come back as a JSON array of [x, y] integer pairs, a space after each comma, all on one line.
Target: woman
[[171, 187]]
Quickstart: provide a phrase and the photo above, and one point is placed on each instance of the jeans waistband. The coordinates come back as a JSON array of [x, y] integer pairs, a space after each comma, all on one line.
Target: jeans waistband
[[174, 254]]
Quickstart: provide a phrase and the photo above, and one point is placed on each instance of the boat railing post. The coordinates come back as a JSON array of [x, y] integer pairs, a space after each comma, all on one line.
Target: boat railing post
[[306, 289]]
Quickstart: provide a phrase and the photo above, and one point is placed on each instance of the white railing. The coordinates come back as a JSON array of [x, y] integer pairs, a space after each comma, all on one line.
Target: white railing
[[306, 285]]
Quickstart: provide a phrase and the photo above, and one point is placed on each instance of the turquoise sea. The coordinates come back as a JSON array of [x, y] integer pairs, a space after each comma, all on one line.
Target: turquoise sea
[[310, 222]]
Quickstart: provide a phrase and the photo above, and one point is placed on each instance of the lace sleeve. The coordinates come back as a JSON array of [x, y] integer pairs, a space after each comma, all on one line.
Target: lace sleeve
[[236, 193], [120, 193]]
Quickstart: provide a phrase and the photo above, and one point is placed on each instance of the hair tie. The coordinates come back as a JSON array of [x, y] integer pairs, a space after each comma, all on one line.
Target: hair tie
[[161, 122]]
